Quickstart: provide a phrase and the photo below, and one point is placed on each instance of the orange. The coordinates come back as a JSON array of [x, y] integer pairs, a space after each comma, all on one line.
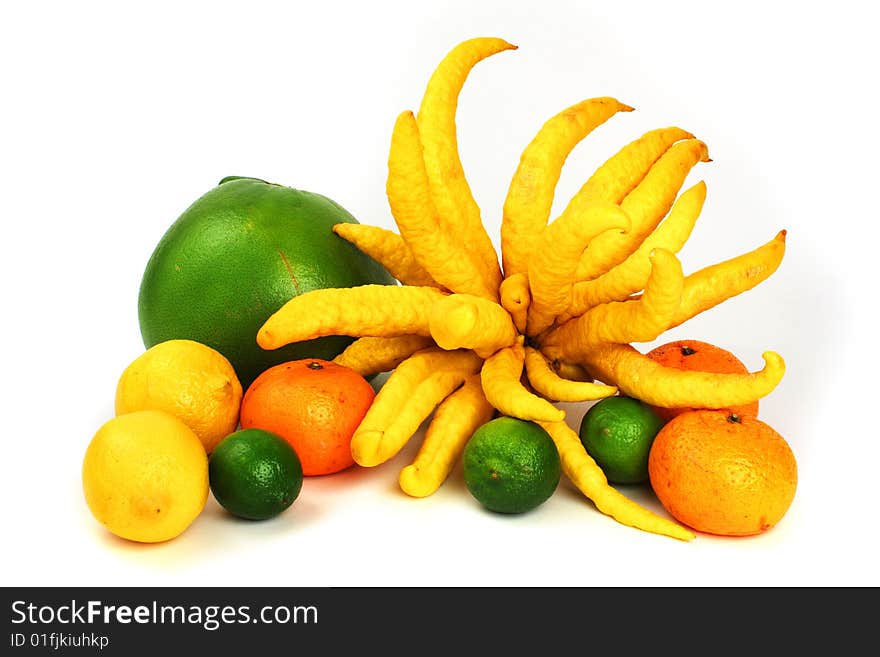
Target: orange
[[315, 405], [723, 474], [701, 357]]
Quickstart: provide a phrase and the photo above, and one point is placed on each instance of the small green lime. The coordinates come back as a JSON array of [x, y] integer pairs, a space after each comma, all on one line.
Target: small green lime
[[510, 465], [618, 433], [255, 474]]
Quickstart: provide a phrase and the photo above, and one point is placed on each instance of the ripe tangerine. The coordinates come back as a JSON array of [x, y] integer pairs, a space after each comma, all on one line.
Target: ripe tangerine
[[723, 474], [315, 405]]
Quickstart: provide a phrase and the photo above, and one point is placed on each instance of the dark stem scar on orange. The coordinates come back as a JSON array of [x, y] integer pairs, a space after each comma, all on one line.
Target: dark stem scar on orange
[[734, 418], [315, 365], [687, 351]]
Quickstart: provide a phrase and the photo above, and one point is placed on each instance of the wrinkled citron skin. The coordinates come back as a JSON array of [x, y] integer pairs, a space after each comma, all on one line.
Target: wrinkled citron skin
[[369, 356], [435, 249], [389, 248], [575, 291], [553, 265], [631, 276], [372, 310], [530, 194], [462, 321], [408, 397], [145, 476], [501, 375], [550, 385], [456, 419], [645, 205], [450, 193]]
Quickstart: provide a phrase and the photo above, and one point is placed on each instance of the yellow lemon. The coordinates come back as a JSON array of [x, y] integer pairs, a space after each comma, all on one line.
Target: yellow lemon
[[189, 380], [145, 476]]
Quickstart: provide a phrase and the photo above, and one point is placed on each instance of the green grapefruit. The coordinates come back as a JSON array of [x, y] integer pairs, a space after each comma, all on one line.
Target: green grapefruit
[[234, 257]]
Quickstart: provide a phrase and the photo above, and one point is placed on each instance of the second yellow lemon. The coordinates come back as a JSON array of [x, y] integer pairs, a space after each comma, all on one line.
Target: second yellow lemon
[[145, 476], [189, 380]]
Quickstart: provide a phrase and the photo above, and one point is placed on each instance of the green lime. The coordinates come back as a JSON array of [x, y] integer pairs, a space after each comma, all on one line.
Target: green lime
[[618, 433], [510, 465], [255, 474], [234, 257]]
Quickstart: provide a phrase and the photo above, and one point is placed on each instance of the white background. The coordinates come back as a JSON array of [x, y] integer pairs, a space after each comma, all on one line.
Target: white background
[[114, 119]]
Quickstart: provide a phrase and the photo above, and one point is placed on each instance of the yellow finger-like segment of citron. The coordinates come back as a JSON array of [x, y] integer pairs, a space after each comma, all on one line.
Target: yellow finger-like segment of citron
[[625, 169], [639, 376], [717, 283], [365, 310], [501, 374], [632, 274], [555, 259], [572, 371], [450, 192], [388, 249], [549, 384], [438, 250], [406, 399], [584, 473], [368, 355], [530, 194], [516, 298], [646, 206], [463, 321], [454, 422], [638, 320]]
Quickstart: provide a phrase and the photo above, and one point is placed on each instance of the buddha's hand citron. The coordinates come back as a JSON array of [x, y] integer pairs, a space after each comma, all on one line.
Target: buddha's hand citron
[[145, 476]]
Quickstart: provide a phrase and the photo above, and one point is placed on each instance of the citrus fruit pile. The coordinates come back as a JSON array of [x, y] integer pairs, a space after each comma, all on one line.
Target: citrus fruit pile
[[183, 427], [265, 309], [204, 408]]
